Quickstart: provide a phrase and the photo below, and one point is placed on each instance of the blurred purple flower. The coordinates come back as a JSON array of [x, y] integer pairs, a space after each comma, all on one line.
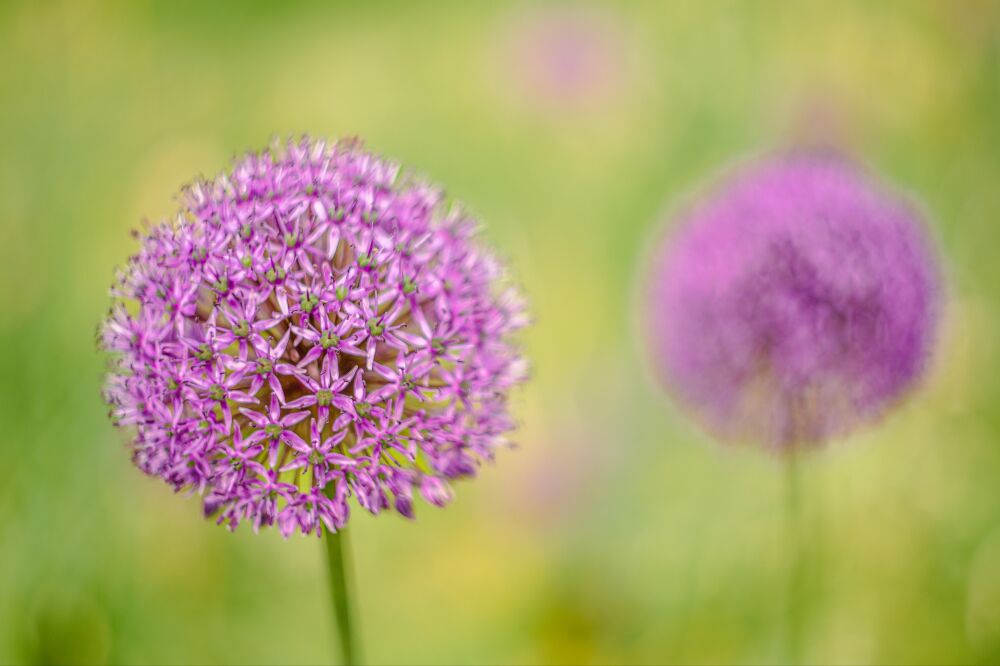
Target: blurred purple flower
[[796, 302], [566, 56], [313, 326]]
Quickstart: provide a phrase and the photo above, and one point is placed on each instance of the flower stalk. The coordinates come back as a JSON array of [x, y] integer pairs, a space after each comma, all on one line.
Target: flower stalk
[[338, 577], [796, 548]]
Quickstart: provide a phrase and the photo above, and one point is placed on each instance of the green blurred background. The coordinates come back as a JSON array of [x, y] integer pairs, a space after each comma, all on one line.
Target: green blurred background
[[617, 532]]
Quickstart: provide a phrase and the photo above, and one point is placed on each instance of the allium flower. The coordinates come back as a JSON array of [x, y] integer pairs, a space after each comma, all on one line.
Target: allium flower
[[796, 302], [565, 57], [313, 326]]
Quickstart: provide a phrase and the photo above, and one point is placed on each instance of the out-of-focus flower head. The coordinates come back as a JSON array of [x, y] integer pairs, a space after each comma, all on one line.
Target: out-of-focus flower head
[[795, 302], [313, 326], [565, 57]]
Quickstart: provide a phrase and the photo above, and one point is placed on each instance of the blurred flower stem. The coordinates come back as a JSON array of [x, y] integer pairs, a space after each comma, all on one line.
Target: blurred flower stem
[[796, 548], [337, 565]]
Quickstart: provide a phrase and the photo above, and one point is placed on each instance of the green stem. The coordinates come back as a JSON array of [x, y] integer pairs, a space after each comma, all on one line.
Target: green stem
[[337, 566], [796, 547]]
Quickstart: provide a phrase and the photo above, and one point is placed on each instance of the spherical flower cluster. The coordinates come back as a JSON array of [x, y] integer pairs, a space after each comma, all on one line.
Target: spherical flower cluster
[[566, 58], [314, 326], [796, 302]]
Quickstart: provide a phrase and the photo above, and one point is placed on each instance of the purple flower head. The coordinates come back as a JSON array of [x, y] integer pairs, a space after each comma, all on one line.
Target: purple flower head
[[312, 327], [796, 302], [566, 58]]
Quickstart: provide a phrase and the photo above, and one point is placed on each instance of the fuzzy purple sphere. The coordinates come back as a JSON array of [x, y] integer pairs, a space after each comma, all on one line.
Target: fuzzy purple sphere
[[795, 302], [313, 326]]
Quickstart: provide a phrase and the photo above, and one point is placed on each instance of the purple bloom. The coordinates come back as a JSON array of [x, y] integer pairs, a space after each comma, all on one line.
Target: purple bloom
[[313, 326], [796, 302], [566, 58]]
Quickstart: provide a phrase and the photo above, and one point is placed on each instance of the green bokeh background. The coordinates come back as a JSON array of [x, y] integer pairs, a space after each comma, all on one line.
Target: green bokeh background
[[617, 532]]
